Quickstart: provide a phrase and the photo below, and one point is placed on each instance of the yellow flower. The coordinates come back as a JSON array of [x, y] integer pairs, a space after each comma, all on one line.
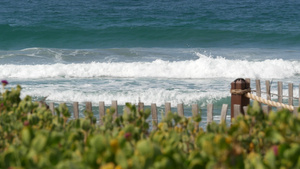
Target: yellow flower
[[118, 167], [108, 166], [228, 139], [114, 145], [160, 125], [121, 133], [251, 146]]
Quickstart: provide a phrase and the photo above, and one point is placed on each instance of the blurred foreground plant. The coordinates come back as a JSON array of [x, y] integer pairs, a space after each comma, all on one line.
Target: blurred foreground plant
[[31, 137]]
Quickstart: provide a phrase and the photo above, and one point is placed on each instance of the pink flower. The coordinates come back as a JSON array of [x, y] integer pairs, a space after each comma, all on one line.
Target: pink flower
[[26, 123], [127, 136], [275, 150], [4, 82]]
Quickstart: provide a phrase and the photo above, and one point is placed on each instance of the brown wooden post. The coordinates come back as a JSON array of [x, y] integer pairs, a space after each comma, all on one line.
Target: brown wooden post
[[210, 116], [101, 112], [141, 106], [268, 91], [245, 110], [75, 110], [167, 108], [195, 111], [180, 109], [154, 116], [114, 105], [51, 107], [280, 93], [126, 109], [291, 97], [224, 113], [299, 97], [237, 110], [239, 88], [88, 106]]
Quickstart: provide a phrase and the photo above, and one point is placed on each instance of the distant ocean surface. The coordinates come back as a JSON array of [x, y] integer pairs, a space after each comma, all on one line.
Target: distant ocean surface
[[153, 51]]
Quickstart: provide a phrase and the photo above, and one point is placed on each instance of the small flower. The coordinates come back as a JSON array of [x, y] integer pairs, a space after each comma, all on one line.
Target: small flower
[[114, 145], [4, 82], [275, 150], [26, 123], [108, 166], [127, 136]]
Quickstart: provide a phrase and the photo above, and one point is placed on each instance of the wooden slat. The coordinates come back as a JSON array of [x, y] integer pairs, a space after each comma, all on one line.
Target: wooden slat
[[101, 112], [209, 113], [114, 105], [299, 97], [279, 108], [63, 104], [51, 107], [180, 109], [141, 106], [237, 110], [88, 106], [195, 111], [127, 109], [167, 108], [40, 103], [258, 88], [291, 93], [245, 110], [154, 116], [280, 93], [224, 112], [268, 89], [75, 110], [266, 109]]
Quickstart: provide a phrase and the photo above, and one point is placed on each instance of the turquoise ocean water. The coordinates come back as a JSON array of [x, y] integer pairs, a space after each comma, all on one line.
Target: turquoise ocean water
[[153, 51]]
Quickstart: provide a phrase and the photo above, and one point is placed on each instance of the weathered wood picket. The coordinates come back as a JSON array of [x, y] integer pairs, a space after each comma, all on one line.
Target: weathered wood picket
[[239, 102]]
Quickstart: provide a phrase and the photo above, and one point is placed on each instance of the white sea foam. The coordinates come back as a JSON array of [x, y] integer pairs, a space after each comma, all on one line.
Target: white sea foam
[[158, 96], [203, 67]]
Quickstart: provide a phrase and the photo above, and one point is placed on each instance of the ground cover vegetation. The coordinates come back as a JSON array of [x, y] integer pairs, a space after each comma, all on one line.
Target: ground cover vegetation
[[31, 137]]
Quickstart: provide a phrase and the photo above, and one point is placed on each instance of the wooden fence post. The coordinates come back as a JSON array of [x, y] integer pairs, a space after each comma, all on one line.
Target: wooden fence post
[[180, 109], [167, 108], [88, 106], [154, 116], [210, 116], [299, 97], [195, 111], [291, 94], [114, 105], [51, 107], [101, 112], [268, 91], [280, 93], [75, 110], [224, 113], [126, 109], [239, 88], [141, 106], [237, 110]]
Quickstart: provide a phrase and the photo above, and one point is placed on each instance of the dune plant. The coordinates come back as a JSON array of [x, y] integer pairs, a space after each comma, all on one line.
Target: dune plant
[[31, 137]]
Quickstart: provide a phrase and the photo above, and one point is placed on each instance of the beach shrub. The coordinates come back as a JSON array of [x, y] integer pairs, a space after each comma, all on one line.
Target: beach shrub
[[31, 137]]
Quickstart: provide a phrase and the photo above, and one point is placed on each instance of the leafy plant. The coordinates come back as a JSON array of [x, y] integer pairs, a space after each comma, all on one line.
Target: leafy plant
[[31, 137]]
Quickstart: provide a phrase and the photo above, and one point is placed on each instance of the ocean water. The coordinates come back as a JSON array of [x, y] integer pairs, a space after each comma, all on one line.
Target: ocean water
[[151, 51]]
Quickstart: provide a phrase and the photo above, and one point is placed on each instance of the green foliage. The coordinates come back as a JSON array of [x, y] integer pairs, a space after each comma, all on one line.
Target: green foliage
[[31, 137]]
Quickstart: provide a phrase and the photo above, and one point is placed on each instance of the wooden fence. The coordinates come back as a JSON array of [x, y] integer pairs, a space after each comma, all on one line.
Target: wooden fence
[[140, 106], [236, 109]]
